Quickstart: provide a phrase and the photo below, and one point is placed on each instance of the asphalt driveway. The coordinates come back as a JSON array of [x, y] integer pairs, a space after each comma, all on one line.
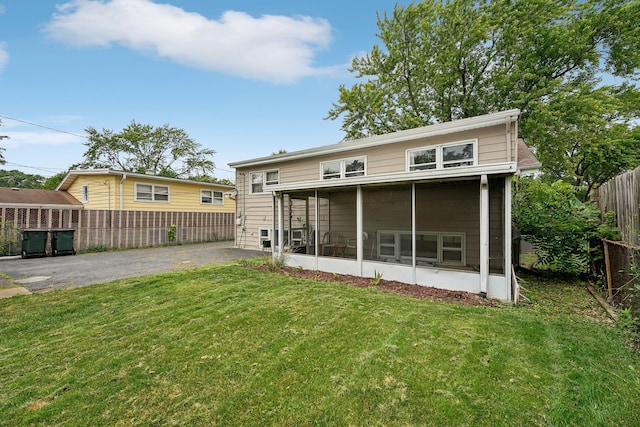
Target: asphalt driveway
[[51, 273]]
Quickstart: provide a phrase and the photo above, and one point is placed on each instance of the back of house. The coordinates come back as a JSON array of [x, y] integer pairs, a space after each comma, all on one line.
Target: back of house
[[430, 205]]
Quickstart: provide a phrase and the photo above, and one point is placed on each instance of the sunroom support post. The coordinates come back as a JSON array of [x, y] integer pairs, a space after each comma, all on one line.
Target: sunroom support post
[[316, 236], [507, 239], [280, 247], [484, 235], [413, 233], [359, 231]]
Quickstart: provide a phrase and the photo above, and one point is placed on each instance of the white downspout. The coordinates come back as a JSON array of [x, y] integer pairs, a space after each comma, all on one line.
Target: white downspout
[[124, 178], [484, 235]]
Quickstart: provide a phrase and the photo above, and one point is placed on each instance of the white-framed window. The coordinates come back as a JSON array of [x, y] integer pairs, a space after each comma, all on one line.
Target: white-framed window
[[451, 155], [452, 248], [260, 180], [151, 193], [343, 168], [85, 193], [422, 159], [437, 247], [211, 197], [264, 234], [459, 154]]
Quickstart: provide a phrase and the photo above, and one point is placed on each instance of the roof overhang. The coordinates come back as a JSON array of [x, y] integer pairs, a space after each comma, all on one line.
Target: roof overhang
[[455, 126], [70, 178], [469, 172]]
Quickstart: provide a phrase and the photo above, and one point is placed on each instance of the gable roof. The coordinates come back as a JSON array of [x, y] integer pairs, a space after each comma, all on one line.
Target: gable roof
[[30, 197], [72, 175], [399, 136], [527, 161]]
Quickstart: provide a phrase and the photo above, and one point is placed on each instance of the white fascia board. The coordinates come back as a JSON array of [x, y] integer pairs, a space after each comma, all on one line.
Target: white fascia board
[[422, 176], [390, 138]]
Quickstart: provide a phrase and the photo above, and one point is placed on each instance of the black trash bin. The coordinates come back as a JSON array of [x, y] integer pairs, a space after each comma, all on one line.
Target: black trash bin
[[62, 242], [34, 243]]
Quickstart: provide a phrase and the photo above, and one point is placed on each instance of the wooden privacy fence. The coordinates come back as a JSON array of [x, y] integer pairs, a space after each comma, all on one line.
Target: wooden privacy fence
[[622, 263], [622, 195], [116, 229]]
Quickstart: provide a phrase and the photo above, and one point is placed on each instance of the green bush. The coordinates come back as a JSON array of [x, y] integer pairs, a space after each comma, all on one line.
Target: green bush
[[566, 232], [10, 242]]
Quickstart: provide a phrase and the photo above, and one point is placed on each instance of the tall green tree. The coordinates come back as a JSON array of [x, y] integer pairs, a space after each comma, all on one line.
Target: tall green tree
[[164, 151], [585, 137], [53, 181], [18, 179], [440, 61]]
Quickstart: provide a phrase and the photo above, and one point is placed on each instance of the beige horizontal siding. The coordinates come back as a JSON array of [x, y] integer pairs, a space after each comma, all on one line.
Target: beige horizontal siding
[[390, 158]]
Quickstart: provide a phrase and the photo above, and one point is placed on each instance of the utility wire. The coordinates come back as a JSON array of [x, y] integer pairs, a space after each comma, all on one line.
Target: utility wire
[[42, 126], [62, 131], [55, 170]]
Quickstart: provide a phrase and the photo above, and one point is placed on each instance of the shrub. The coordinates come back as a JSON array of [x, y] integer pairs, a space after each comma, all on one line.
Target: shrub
[[566, 232]]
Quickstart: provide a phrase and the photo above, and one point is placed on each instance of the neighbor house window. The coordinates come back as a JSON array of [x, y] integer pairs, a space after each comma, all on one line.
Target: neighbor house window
[[261, 179], [152, 193], [211, 197], [85, 193], [452, 155], [344, 168]]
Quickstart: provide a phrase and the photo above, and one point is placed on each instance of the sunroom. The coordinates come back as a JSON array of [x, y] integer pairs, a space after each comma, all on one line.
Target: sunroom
[[428, 206], [424, 228]]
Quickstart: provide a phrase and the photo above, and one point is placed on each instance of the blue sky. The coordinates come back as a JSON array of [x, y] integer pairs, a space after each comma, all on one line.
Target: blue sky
[[243, 77]]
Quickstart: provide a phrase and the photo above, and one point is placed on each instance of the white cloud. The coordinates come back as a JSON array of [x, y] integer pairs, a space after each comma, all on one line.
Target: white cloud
[[4, 55], [273, 48], [1, 9]]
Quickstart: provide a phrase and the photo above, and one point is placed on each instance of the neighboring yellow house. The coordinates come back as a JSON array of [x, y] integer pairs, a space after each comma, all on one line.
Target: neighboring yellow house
[[107, 189]]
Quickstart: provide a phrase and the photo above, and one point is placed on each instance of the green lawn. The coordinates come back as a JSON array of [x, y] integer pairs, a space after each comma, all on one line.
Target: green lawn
[[226, 345]]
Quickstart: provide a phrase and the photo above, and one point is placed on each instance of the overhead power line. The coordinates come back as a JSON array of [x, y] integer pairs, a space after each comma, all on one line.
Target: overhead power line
[[42, 126]]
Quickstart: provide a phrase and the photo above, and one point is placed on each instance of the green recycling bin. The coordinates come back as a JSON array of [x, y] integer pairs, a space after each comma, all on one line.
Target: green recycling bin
[[62, 242], [34, 243]]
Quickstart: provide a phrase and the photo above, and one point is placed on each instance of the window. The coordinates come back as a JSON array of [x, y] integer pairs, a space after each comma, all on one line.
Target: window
[[452, 245], [345, 168], [443, 248], [152, 193], [85, 193], [452, 155], [261, 179], [211, 197], [422, 159], [271, 177], [264, 234]]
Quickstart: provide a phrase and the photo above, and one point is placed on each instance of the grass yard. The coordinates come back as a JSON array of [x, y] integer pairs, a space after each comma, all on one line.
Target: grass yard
[[226, 345]]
